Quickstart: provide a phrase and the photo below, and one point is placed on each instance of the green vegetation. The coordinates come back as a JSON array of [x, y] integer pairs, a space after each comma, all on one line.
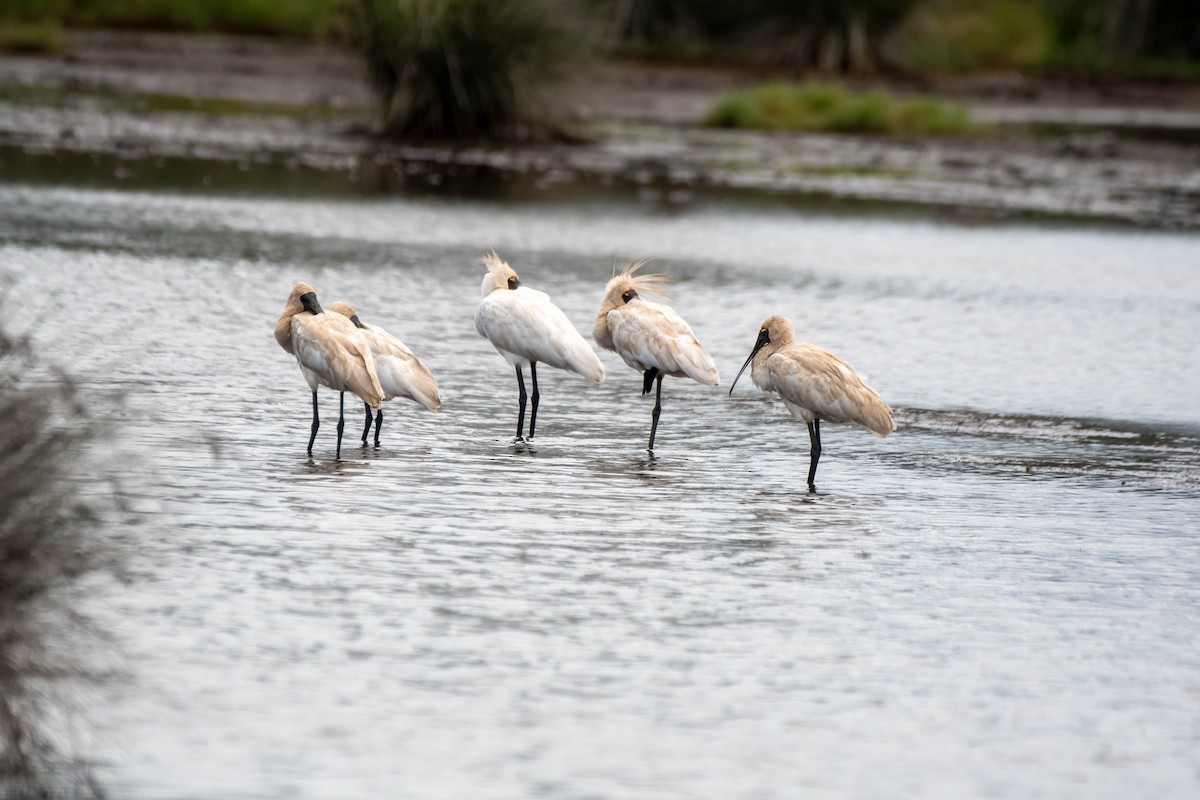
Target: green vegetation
[[1120, 38], [296, 18], [463, 69], [829, 107], [1146, 38], [827, 35], [1096, 64], [971, 35], [44, 36], [469, 69], [1123, 38], [299, 18], [1124, 34]]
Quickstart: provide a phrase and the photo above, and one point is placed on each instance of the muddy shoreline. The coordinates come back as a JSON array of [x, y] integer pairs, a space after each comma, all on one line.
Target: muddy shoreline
[[308, 107]]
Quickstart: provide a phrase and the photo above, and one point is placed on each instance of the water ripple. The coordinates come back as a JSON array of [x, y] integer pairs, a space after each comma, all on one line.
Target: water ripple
[[988, 602]]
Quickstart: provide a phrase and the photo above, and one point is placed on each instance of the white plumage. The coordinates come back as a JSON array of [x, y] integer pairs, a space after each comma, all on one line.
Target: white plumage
[[401, 373], [527, 329]]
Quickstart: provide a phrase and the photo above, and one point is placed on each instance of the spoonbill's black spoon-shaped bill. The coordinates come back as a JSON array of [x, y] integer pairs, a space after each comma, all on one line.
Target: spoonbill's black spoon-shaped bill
[[401, 373], [330, 351], [814, 384], [527, 329], [650, 337]]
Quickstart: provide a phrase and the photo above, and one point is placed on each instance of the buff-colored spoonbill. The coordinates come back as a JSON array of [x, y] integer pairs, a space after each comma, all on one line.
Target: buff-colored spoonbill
[[401, 373], [331, 352], [815, 385], [650, 337], [527, 329]]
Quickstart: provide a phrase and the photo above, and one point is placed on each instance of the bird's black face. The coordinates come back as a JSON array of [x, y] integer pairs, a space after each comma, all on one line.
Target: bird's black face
[[763, 338], [514, 282], [629, 295], [309, 301], [357, 322]]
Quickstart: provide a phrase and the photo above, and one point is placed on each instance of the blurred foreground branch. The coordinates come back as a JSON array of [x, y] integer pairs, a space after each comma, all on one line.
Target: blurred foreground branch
[[48, 545]]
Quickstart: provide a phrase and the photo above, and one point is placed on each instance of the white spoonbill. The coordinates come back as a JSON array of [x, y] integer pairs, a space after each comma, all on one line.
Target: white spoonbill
[[650, 337], [815, 385], [527, 329], [331, 352], [401, 373]]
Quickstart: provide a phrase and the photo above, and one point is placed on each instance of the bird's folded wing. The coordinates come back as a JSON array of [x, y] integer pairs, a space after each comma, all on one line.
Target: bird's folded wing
[[654, 335], [814, 378], [407, 378], [527, 323], [383, 341], [338, 354]]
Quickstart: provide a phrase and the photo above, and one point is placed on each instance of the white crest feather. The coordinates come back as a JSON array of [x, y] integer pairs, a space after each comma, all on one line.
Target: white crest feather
[[493, 262]]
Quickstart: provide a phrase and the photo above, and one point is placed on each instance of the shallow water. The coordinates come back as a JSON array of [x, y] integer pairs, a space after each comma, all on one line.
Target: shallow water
[[999, 600]]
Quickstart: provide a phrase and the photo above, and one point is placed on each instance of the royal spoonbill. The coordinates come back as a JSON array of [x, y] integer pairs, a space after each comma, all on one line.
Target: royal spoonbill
[[331, 352], [650, 337], [527, 329], [815, 385], [401, 373]]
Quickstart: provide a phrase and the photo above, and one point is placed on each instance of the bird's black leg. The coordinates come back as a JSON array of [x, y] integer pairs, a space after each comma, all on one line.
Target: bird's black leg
[[378, 425], [814, 453], [648, 380], [316, 423], [367, 429], [521, 413], [533, 397], [657, 410], [341, 422]]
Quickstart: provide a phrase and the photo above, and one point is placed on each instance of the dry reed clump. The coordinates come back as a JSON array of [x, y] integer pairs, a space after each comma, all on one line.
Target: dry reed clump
[[48, 545]]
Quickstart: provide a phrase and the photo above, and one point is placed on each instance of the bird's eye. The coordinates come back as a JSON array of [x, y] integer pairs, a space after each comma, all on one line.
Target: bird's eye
[[513, 282], [625, 297], [762, 330]]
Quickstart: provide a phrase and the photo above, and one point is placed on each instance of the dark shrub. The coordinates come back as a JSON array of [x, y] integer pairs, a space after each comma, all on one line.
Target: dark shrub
[[467, 69]]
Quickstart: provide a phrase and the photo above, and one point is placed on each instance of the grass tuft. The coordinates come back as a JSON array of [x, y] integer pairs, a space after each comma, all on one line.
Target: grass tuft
[[834, 108], [466, 69]]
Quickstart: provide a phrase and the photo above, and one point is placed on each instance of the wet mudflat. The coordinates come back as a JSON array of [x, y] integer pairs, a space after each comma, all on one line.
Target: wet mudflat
[[998, 600]]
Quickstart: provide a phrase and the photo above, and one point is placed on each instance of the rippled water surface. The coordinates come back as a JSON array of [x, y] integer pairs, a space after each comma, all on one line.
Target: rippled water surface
[[1002, 599]]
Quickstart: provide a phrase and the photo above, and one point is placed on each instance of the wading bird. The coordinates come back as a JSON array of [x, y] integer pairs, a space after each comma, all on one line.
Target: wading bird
[[527, 329], [401, 373], [815, 385], [650, 337], [331, 352]]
